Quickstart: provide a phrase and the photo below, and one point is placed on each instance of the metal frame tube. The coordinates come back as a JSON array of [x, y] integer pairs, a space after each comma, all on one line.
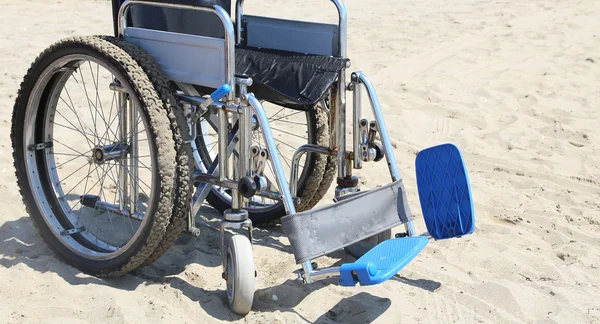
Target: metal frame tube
[[263, 122], [343, 26], [356, 132], [123, 104], [116, 5], [324, 274], [342, 15], [339, 127], [296, 162], [245, 158], [115, 210], [133, 155], [385, 137], [339, 133], [204, 188], [381, 128], [223, 133], [234, 162], [239, 12]]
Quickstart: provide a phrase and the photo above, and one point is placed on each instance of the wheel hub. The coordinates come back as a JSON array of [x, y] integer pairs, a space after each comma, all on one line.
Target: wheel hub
[[117, 151]]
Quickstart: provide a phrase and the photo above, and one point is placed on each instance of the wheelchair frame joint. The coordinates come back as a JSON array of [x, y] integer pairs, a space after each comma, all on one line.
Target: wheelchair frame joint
[[116, 86], [40, 146]]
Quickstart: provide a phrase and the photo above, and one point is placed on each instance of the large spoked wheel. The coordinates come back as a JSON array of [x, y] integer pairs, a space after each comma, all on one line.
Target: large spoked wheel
[[94, 155], [240, 274], [291, 129]]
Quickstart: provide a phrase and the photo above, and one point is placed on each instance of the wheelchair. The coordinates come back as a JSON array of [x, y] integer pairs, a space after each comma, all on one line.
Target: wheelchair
[[119, 140]]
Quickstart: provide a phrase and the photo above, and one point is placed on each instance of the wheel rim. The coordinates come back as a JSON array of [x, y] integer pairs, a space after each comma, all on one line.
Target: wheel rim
[[84, 159]]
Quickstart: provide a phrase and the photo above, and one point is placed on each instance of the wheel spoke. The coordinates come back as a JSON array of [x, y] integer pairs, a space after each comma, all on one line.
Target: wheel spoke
[[280, 118], [143, 165], [286, 121], [291, 134], [284, 143], [140, 180], [277, 113], [112, 176], [67, 146], [89, 102], [72, 108], [77, 130], [80, 181], [101, 195], [66, 154], [101, 180], [72, 173], [111, 122], [105, 136], [98, 101], [63, 163]]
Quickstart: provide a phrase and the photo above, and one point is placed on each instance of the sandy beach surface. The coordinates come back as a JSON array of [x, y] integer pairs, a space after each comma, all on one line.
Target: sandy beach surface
[[515, 84]]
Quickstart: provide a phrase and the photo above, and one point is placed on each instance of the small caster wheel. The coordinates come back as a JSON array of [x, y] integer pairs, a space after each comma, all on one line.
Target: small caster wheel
[[240, 274], [358, 249]]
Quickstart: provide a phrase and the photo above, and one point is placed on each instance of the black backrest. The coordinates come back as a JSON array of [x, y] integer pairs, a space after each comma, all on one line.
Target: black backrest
[[176, 20]]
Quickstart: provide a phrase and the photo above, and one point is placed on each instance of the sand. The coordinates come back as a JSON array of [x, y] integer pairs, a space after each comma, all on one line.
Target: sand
[[514, 84]]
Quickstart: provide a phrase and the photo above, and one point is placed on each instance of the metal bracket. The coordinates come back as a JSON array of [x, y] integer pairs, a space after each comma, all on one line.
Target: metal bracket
[[72, 231], [190, 115], [311, 275], [259, 159], [116, 86], [40, 146]]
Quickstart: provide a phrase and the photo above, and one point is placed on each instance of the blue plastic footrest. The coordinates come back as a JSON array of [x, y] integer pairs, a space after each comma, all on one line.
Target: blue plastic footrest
[[444, 192], [382, 261]]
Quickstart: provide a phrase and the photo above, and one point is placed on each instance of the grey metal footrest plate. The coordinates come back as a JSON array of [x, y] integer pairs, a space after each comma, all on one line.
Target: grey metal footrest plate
[[323, 230]]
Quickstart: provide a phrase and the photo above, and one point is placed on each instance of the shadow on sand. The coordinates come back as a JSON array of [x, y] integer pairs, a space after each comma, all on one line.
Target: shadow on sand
[[22, 245]]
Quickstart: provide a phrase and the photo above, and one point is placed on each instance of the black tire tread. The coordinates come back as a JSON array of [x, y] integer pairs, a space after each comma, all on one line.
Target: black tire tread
[[166, 153], [183, 191], [319, 181]]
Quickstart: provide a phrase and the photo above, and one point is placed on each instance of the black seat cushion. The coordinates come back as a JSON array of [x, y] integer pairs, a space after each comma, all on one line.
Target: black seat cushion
[[289, 79]]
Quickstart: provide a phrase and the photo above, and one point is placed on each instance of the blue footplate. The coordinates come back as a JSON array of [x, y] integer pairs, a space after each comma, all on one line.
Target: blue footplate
[[445, 196], [382, 262], [444, 192]]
